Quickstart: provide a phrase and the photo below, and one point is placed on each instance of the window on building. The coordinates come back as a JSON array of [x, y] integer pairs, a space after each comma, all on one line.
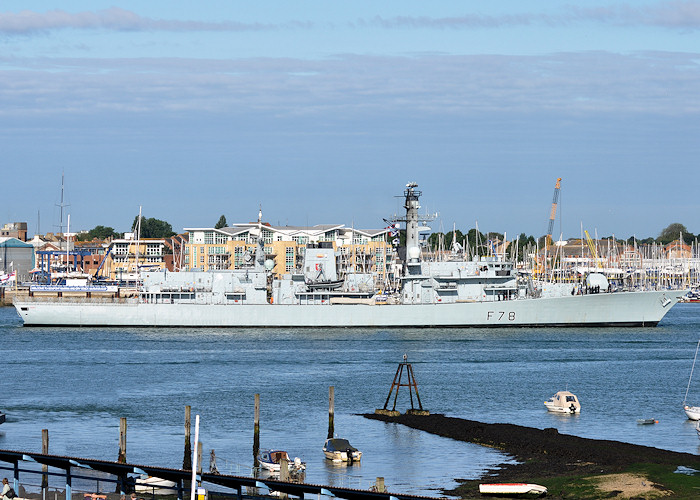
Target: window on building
[[242, 237], [289, 259], [267, 236], [153, 249], [208, 237]]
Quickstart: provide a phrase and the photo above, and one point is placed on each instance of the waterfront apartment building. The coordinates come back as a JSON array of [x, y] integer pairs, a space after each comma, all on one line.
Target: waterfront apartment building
[[128, 255], [356, 250]]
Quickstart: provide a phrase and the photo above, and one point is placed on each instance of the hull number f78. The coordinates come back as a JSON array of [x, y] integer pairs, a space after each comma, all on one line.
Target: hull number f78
[[500, 315]]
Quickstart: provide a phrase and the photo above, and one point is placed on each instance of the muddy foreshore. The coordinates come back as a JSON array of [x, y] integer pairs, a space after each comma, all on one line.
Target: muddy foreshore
[[542, 453]]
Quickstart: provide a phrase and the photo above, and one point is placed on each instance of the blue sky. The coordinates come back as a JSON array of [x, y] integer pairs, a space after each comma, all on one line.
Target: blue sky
[[321, 112]]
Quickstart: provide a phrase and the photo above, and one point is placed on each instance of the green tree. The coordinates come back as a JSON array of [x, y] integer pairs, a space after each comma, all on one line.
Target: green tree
[[474, 239], [221, 223], [434, 239], [673, 232], [153, 228], [99, 232], [524, 242]]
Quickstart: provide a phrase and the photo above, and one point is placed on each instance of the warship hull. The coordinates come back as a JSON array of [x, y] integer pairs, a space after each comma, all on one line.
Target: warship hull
[[611, 309]]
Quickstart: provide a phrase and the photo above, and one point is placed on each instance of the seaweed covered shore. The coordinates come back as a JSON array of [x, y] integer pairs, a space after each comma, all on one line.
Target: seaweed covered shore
[[543, 453]]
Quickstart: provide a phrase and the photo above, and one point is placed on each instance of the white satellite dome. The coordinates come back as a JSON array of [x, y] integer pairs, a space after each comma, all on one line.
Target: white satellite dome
[[597, 279], [269, 264], [414, 253]]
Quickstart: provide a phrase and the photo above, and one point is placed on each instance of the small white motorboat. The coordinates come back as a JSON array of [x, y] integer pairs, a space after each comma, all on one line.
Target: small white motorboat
[[155, 486], [340, 450], [270, 460], [512, 489], [563, 402]]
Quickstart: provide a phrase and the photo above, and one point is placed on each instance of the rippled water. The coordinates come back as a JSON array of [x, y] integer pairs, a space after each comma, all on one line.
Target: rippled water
[[78, 383]]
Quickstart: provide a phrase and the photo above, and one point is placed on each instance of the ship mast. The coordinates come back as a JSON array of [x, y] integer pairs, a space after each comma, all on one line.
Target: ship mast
[[412, 220], [411, 205]]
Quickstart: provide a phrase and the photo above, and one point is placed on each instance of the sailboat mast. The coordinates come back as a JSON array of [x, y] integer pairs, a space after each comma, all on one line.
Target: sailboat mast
[[691, 372]]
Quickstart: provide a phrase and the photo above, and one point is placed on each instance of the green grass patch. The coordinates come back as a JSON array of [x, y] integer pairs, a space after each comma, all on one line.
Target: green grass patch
[[673, 485], [682, 485]]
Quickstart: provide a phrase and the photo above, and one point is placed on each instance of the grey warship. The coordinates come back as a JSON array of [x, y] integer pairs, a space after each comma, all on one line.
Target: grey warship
[[481, 292]]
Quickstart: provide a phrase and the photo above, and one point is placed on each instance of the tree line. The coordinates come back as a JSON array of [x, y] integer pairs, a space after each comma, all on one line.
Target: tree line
[[481, 242], [150, 228]]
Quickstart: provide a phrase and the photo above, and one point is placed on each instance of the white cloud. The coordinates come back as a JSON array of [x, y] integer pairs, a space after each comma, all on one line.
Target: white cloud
[[351, 85], [672, 14], [667, 14], [115, 19]]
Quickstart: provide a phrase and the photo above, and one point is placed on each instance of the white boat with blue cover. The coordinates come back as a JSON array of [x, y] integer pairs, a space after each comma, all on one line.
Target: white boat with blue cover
[[271, 460]]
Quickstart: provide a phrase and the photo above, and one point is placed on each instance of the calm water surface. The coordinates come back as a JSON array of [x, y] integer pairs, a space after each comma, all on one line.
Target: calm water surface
[[77, 383]]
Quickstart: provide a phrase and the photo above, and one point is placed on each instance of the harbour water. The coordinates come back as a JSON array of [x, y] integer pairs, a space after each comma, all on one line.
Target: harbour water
[[77, 383]]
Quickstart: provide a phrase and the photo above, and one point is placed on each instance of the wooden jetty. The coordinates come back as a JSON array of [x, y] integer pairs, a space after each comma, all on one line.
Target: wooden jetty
[[20, 462]]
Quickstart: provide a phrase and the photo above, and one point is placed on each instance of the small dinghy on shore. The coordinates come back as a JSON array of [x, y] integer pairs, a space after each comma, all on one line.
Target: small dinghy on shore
[[513, 489]]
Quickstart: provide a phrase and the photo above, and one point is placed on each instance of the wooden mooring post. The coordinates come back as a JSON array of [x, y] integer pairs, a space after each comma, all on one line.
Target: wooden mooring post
[[256, 432], [121, 458], [187, 460], [44, 468], [331, 412]]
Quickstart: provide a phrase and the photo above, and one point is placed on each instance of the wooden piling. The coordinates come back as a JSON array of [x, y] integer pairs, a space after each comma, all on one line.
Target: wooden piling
[[379, 485], [284, 476], [187, 460], [256, 432], [122, 441], [44, 468], [212, 462], [199, 457], [284, 469], [331, 411]]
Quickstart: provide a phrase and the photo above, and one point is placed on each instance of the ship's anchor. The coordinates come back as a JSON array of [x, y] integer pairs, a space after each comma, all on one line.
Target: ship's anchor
[[412, 386]]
